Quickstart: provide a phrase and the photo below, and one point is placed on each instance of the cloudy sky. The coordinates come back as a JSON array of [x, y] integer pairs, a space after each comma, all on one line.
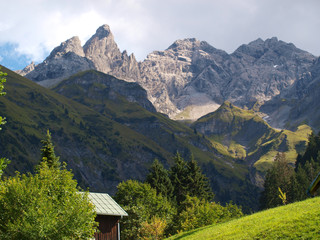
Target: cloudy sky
[[30, 29]]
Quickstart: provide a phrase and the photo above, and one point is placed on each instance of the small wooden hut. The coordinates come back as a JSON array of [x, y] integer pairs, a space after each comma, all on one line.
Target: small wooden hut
[[108, 215]]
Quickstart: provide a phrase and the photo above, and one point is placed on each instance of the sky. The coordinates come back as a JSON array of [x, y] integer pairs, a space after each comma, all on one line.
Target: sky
[[31, 29]]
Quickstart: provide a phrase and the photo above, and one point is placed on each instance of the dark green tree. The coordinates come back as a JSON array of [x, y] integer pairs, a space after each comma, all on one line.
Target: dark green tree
[[198, 184], [179, 179], [158, 178], [47, 152]]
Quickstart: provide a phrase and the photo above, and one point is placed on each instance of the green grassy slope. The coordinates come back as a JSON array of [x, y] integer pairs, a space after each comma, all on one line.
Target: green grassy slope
[[295, 221], [243, 135], [101, 151]]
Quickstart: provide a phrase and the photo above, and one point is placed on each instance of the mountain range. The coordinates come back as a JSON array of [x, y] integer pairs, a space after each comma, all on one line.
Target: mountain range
[[111, 116], [190, 78]]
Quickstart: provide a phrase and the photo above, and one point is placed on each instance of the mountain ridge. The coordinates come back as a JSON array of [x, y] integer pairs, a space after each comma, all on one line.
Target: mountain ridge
[[188, 75]]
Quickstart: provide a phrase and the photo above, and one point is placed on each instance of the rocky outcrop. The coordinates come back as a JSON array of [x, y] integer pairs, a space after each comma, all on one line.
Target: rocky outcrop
[[262, 69]]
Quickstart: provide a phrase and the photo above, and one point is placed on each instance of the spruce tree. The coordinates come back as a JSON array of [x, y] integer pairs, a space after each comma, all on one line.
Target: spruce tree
[[179, 176], [197, 182], [47, 152], [158, 178]]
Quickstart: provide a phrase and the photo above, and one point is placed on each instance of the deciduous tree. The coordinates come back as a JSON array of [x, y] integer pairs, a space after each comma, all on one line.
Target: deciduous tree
[[46, 205]]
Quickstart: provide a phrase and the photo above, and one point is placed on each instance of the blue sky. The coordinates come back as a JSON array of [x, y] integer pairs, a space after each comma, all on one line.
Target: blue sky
[[29, 30]]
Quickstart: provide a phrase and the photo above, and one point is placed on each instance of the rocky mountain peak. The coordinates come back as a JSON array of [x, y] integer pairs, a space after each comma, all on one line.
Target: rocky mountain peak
[[103, 31], [71, 45], [102, 50], [185, 44]]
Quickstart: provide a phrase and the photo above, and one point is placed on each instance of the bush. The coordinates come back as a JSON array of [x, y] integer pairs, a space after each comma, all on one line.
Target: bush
[[46, 205]]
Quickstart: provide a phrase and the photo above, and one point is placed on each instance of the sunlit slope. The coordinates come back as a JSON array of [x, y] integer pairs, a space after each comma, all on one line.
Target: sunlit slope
[[295, 221], [244, 135]]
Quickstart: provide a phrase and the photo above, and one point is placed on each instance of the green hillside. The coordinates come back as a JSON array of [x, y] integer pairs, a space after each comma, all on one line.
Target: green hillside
[[105, 138], [243, 135], [101, 151], [294, 221]]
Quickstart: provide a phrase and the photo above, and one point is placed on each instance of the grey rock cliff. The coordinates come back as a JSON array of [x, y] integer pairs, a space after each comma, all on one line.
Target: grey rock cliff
[[193, 73]]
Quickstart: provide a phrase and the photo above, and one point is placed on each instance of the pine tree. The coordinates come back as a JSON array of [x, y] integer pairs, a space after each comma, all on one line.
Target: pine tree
[[47, 152], [158, 178], [198, 184]]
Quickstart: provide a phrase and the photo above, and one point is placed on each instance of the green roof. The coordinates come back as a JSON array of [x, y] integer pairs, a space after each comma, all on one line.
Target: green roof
[[105, 205]]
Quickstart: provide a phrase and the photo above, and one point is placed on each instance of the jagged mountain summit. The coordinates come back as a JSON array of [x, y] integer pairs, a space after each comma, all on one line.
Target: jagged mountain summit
[[190, 78]]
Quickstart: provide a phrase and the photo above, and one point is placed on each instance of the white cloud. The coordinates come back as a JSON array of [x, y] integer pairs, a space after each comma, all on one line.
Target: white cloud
[[141, 26]]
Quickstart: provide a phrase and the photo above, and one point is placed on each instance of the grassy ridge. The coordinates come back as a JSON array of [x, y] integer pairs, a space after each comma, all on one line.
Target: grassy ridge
[[295, 221]]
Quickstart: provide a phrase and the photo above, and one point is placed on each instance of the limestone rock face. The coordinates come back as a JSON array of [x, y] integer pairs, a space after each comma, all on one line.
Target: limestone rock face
[[63, 61], [103, 51], [193, 74], [170, 76]]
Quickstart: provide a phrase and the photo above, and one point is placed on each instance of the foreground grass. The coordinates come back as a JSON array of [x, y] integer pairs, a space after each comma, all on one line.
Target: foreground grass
[[295, 221]]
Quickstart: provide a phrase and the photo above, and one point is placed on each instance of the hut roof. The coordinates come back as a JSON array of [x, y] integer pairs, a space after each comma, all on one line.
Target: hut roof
[[105, 205]]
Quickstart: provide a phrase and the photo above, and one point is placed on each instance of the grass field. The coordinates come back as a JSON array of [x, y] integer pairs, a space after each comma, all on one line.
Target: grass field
[[294, 221]]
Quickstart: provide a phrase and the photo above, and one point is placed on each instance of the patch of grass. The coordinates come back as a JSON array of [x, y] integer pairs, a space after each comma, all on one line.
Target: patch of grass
[[295, 143], [294, 221]]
